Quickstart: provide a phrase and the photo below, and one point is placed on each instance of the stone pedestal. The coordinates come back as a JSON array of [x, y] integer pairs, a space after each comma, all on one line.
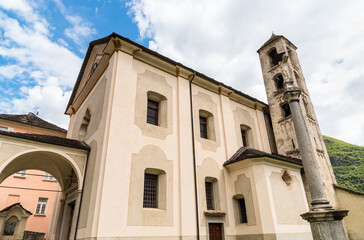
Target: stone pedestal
[[326, 225]]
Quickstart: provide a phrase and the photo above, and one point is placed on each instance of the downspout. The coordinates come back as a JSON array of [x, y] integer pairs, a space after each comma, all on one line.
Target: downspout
[[83, 185], [194, 159]]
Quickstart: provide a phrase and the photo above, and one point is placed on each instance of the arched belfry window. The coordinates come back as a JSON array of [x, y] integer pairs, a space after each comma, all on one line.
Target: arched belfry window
[[84, 125], [275, 57], [279, 82]]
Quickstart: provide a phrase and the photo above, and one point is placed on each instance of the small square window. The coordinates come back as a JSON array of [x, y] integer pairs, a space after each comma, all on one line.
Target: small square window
[[150, 199], [203, 127], [152, 112]]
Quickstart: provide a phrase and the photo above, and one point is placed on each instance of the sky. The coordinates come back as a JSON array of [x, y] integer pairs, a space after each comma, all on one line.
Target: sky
[[43, 43]]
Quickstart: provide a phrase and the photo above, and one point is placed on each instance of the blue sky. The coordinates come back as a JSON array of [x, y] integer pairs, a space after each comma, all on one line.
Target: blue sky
[[42, 44]]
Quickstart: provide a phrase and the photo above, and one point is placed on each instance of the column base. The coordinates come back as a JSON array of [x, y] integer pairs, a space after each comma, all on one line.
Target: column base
[[326, 224]]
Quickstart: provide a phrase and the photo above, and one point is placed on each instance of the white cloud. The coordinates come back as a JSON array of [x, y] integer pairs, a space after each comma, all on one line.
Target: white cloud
[[46, 99], [46, 68], [11, 71], [220, 39], [80, 30]]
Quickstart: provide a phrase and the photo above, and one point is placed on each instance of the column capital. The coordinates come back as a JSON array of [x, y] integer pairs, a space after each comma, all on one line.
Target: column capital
[[326, 215], [292, 94]]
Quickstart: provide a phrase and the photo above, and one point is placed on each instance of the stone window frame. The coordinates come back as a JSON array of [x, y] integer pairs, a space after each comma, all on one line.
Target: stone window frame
[[248, 135], [274, 58], [243, 219], [86, 119], [152, 160], [10, 220], [161, 187], [215, 194], [287, 178], [286, 111], [153, 86], [162, 108], [210, 124], [276, 85]]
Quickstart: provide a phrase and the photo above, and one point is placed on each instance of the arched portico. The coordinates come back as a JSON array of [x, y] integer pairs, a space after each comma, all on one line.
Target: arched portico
[[65, 159]]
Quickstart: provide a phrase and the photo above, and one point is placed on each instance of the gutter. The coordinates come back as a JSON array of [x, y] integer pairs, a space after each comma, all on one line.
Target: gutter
[[194, 159]]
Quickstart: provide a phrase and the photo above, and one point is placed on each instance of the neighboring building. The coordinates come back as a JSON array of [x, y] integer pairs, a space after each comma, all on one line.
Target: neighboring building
[[165, 152], [16, 188]]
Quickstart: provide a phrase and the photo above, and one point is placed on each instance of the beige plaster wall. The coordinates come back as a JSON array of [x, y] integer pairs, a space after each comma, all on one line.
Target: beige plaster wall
[[126, 145], [355, 204], [98, 102]]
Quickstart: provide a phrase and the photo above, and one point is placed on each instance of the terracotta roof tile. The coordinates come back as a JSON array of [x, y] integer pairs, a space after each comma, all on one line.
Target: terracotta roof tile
[[31, 119]]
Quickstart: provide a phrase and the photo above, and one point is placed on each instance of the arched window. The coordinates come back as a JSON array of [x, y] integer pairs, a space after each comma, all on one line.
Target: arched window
[[279, 82], [10, 226], [84, 125], [275, 57]]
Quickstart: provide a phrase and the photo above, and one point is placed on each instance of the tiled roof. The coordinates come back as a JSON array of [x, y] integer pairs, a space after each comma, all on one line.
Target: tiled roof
[[153, 53], [13, 205], [246, 153], [31, 119], [66, 142]]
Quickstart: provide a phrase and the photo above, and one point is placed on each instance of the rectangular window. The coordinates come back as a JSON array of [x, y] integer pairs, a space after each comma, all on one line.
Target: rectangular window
[[3, 128], [203, 127], [242, 210], [48, 177], [209, 196], [21, 174], [152, 112], [150, 199], [243, 137], [41, 206]]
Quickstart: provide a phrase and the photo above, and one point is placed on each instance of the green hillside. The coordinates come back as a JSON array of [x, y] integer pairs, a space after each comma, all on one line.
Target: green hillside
[[348, 163]]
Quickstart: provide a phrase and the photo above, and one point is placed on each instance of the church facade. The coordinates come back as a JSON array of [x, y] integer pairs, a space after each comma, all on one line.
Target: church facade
[[174, 154]]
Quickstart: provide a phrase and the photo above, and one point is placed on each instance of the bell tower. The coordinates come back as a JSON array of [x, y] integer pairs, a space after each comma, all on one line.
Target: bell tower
[[281, 72]]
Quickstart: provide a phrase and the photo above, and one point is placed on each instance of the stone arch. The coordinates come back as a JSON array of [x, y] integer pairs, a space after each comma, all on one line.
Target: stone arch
[[57, 164]]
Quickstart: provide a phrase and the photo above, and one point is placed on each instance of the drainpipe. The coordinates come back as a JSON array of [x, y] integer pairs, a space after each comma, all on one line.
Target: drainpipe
[[194, 160], [83, 185]]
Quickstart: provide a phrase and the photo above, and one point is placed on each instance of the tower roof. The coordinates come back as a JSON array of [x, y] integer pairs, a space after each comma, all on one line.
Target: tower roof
[[274, 38]]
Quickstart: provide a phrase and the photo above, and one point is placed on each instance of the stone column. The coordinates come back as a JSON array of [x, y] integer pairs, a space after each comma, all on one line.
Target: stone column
[[324, 220]]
